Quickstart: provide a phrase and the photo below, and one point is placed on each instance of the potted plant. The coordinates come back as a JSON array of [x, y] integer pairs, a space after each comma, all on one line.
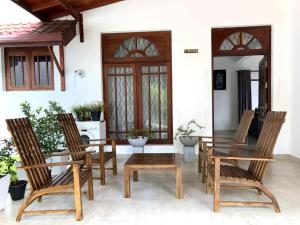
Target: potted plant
[[138, 138], [188, 141], [95, 109], [8, 160], [47, 130], [82, 112]]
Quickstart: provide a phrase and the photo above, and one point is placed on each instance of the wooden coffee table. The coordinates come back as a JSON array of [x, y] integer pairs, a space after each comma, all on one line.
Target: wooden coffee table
[[152, 161]]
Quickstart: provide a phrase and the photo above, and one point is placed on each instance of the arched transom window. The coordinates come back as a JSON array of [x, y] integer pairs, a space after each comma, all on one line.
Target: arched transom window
[[136, 47], [240, 41]]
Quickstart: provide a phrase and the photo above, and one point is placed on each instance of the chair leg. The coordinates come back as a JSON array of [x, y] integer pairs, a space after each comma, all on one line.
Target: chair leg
[[204, 163], [114, 157], [217, 186], [199, 161], [90, 192], [77, 192], [24, 205], [102, 166], [271, 197], [39, 199]]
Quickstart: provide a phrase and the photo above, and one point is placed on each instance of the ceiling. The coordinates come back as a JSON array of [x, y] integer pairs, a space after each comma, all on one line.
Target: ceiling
[[47, 10]]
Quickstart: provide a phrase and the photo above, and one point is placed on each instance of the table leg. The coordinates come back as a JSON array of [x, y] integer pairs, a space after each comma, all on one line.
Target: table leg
[[135, 175], [178, 183], [126, 183]]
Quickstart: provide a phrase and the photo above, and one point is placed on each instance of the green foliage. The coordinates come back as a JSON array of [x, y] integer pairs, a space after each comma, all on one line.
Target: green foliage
[[96, 106], [82, 111], [8, 160], [45, 125], [145, 132], [188, 129]]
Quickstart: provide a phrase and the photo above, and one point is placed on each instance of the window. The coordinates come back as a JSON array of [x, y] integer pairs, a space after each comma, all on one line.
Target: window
[[240, 41], [28, 69], [138, 85]]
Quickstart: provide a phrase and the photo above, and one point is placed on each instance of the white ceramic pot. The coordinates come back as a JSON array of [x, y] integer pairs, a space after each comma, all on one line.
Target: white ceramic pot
[[188, 141], [55, 170], [4, 185], [138, 142]]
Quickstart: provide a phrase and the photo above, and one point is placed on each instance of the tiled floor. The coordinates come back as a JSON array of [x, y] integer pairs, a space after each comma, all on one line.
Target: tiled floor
[[153, 201]]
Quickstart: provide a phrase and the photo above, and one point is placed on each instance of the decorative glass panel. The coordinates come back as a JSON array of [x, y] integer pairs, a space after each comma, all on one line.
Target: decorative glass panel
[[136, 47], [154, 100], [17, 70], [240, 41], [121, 114]]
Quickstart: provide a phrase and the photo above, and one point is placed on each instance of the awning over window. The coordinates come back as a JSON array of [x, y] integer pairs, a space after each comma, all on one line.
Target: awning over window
[[59, 32]]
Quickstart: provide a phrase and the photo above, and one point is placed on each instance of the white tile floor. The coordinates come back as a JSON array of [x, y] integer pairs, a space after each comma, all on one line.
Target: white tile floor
[[153, 201]]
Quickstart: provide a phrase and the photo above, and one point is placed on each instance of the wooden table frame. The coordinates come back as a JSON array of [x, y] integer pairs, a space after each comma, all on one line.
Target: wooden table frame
[[152, 161]]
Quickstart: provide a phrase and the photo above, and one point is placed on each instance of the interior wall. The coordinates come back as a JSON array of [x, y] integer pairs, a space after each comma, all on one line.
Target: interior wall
[[226, 101], [190, 22]]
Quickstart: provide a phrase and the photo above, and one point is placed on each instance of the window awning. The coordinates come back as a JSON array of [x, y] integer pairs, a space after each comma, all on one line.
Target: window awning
[[59, 32]]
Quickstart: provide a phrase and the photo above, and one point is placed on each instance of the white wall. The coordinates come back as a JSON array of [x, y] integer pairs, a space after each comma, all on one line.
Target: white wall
[[190, 22], [295, 78], [226, 101]]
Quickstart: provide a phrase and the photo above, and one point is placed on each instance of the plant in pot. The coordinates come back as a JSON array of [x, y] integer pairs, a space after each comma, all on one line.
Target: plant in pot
[[8, 161], [184, 135], [82, 112], [138, 138], [95, 109], [47, 130]]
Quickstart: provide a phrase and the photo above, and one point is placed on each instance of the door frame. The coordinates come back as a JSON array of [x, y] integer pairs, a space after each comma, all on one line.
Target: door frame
[[266, 52]]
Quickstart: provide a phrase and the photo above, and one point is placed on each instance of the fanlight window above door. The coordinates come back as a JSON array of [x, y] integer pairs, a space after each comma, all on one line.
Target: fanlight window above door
[[136, 47], [240, 41]]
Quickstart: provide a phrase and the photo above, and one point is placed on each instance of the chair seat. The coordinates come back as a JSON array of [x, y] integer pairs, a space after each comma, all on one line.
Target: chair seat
[[96, 156], [65, 178], [233, 172]]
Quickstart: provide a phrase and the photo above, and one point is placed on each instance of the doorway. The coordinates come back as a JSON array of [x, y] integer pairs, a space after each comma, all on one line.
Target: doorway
[[241, 77]]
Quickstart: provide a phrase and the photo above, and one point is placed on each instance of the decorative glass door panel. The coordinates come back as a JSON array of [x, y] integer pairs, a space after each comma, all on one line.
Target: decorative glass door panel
[[154, 100], [120, 100]]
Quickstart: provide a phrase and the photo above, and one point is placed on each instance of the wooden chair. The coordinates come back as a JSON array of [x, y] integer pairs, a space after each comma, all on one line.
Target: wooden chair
[[238, 139], [75, 144], [39, 175], [236, 177]]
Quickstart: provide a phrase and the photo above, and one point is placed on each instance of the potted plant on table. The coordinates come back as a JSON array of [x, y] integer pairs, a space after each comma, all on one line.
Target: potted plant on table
[[82, 112], [138, 138], [184, 133], [95, 110], [47, 130], [8, 161]]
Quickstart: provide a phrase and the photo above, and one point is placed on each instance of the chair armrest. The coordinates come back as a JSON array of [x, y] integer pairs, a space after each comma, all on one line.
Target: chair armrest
[[241, 155], [216, 138], [70, 153], [81, 162], [86, 145]]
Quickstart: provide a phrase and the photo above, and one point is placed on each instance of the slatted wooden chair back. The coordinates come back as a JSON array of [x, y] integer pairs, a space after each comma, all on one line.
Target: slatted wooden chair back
[[71, 134], [243, 127], [266, 142], [30, 153]]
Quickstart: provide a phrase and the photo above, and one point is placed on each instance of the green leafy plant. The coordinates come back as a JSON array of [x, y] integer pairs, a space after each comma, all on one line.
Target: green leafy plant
[[144, 132], [8, 160], [97, 106], [45, 125], [188, 129], [82, 112]]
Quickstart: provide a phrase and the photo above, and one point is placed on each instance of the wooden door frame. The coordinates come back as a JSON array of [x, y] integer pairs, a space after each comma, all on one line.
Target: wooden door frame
[[267, 53]]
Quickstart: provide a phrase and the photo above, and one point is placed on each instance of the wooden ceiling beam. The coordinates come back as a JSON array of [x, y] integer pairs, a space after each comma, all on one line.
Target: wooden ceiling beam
[[44, 5], [69, 8]]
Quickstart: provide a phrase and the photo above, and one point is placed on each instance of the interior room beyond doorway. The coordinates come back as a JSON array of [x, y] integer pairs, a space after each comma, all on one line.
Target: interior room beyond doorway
[[229, 99]]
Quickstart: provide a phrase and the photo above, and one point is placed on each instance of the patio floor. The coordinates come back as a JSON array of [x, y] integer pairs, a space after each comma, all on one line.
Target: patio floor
[[153, 201]]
